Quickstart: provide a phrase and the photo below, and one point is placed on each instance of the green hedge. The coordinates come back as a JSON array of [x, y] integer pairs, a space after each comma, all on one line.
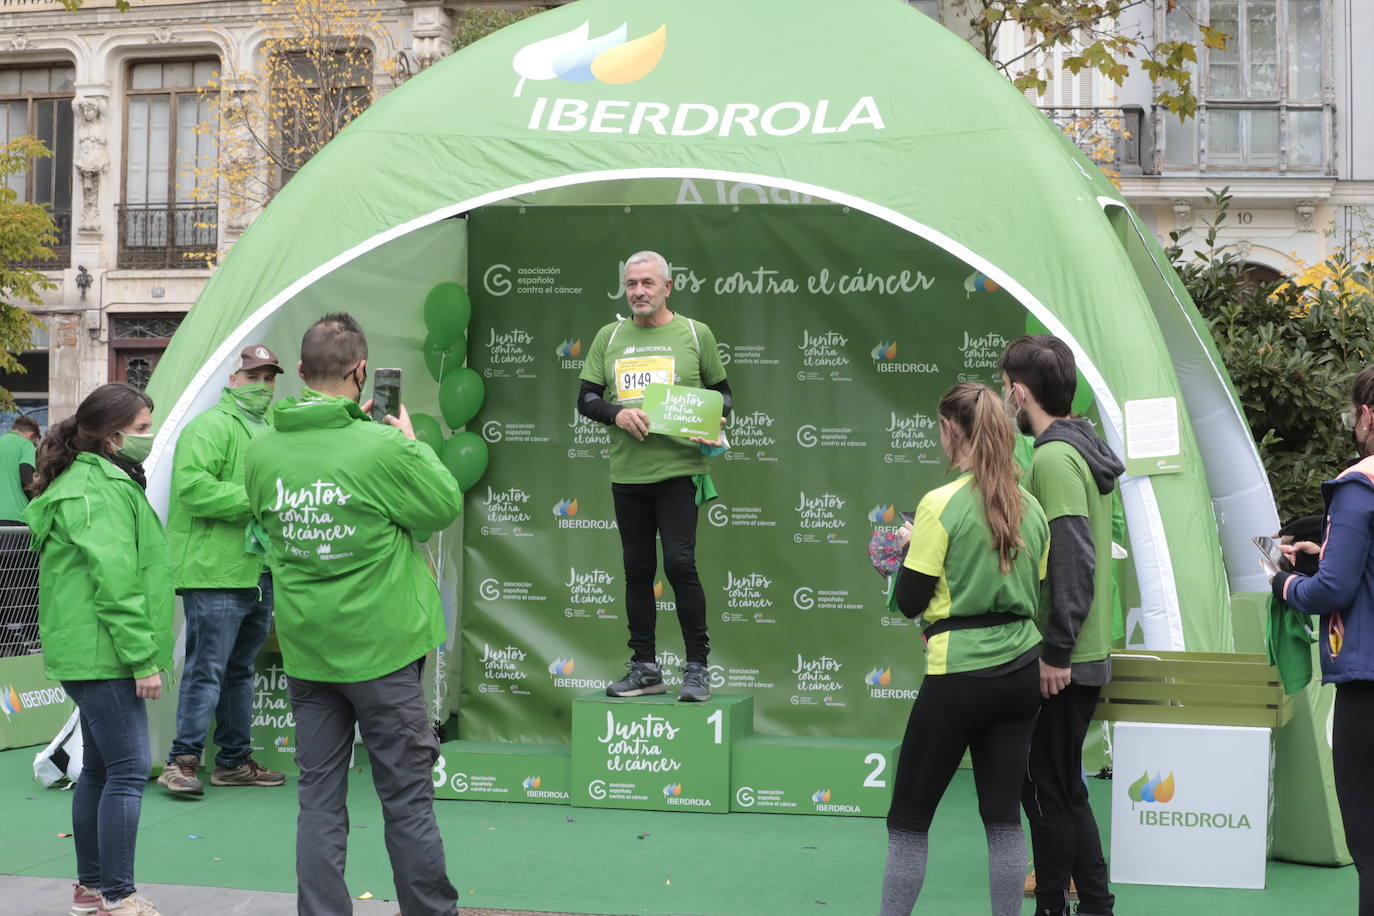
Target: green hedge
[[1292, 351]]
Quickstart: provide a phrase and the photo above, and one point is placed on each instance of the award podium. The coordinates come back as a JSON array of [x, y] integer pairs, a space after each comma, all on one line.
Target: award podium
[[657, 754]]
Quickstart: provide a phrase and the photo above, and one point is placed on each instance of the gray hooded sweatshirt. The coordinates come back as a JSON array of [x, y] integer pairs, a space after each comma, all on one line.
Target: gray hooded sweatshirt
[[1073, 557]]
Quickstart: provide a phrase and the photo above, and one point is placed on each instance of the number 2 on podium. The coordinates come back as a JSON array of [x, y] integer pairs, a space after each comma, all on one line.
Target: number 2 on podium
[[716, 719], [873, 782]]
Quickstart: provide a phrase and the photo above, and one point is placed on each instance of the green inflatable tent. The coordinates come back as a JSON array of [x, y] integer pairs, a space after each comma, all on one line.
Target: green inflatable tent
[[866, 107]]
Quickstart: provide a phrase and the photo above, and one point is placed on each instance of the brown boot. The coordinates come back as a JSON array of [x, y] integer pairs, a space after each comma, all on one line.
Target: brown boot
[[1029, 890], [248, 773], [179, 776]]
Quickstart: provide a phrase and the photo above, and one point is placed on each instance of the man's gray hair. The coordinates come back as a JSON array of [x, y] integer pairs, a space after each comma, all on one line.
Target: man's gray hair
[[651, 257]]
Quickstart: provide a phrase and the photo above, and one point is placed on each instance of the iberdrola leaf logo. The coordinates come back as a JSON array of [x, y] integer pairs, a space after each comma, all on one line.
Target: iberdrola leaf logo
[[577, 56], [1158, 790]]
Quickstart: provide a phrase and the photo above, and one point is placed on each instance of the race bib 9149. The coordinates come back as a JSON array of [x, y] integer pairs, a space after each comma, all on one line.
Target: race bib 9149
[[634, 373]]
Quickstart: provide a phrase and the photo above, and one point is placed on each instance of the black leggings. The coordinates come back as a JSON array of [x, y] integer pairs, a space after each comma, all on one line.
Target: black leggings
[[1352, 758], [993, 717], [667, 509]]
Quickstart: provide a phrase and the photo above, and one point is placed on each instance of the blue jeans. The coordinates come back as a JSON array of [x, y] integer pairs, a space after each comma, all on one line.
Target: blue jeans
[[109, 792], [225, 629]]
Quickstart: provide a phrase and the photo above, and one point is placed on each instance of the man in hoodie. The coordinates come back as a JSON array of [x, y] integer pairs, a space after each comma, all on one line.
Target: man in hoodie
[[1073, 475], [335, 498], [225, 591]]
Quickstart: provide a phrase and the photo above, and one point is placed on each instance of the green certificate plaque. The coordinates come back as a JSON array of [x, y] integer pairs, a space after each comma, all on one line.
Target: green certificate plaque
[[676, 410]]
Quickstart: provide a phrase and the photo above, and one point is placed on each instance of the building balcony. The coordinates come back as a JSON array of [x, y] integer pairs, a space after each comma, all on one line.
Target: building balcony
[[61, 249], [1117, 139], [167, 236]]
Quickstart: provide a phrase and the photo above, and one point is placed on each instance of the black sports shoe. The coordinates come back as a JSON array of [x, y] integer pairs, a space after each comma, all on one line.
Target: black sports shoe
[[694, 686], [643, 679]]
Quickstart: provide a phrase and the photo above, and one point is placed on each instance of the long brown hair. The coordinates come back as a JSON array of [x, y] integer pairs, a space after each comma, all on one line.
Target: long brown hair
[[106, 411], [986, 442]]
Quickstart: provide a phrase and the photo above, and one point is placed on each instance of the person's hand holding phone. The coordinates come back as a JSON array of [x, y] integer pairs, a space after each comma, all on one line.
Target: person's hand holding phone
[[1290, 551], [904, 532], [402, 422]]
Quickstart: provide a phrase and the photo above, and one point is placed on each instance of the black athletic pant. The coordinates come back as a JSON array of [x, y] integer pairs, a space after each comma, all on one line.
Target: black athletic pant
[[991, 716], [1064, 837], [1352, 758], [668, 509]]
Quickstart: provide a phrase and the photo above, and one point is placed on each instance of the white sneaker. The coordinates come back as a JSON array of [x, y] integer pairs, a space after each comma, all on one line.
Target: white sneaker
[[132, 905]]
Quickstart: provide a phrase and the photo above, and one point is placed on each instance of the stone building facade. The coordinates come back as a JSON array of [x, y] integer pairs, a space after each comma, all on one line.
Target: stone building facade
[[1286, 123], [113, 95]]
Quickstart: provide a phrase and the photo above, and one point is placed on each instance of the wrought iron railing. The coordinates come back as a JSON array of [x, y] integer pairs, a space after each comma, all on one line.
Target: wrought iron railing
[[18, 593], [161, 236], [1116, 139], [61, 249]]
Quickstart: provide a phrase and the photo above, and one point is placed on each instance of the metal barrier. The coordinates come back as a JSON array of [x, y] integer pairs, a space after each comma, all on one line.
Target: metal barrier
[[18, 593]]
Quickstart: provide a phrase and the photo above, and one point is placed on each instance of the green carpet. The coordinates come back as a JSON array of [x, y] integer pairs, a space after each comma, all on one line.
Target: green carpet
[[581, 860]]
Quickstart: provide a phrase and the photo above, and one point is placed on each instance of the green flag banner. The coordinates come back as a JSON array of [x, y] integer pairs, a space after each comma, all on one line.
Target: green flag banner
[[839, 334]]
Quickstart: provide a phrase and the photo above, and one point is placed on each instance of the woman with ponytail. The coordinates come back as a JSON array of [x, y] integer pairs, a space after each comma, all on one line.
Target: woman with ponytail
[[105, 616], [977, 553]]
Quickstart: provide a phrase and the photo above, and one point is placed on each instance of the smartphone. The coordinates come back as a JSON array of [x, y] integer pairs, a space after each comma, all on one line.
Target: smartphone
[[386, 393], [909, 517], [1273, 559]]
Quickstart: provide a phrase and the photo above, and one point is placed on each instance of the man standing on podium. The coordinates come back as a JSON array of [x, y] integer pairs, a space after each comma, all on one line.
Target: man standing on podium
[[657, 482]]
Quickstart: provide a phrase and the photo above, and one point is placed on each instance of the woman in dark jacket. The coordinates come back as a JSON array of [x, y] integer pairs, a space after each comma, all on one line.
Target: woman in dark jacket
[[1342, 593]]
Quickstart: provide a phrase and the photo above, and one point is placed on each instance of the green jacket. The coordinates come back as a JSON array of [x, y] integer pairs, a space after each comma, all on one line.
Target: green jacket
[[105, 593], [208, 509], [336, 496]]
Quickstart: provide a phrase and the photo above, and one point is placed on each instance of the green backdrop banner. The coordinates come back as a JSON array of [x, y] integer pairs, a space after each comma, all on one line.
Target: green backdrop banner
[[839, 334]]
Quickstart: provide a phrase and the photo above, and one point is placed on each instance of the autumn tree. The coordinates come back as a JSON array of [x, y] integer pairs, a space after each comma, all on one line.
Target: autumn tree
[[314, 73], [469, 25], [1097, 37], [27, 234]]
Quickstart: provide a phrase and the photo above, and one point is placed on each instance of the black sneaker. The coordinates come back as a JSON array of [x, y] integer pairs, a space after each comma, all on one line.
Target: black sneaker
[[643, 679], [694, 686]]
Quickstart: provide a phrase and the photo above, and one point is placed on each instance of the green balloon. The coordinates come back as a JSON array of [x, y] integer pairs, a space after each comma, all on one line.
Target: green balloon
[[465, 455], [460, 397], [428, 431], [445, 358], [447, 311]]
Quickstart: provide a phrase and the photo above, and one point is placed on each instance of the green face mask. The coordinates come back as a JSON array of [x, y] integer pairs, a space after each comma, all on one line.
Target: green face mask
[[253, 399], [136, 447]]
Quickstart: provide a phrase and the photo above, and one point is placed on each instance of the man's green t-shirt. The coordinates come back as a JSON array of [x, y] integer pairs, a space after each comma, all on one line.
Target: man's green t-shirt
[[624, 358], [14, 451], [1063, 483], [950, 539]]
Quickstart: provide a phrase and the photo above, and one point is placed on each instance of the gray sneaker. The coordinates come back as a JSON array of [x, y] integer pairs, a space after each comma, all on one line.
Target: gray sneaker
[[694, 686], [179, 776], [643, 679]]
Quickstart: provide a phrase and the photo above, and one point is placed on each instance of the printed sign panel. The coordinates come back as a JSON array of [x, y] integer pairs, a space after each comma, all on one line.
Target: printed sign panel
[[1190, 805]]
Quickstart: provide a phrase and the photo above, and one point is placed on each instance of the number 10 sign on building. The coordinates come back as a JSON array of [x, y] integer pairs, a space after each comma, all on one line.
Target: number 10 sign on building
[[654, 753]]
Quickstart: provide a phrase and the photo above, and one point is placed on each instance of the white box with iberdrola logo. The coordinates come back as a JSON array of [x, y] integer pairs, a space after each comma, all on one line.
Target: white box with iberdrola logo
[[1190, 805]]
